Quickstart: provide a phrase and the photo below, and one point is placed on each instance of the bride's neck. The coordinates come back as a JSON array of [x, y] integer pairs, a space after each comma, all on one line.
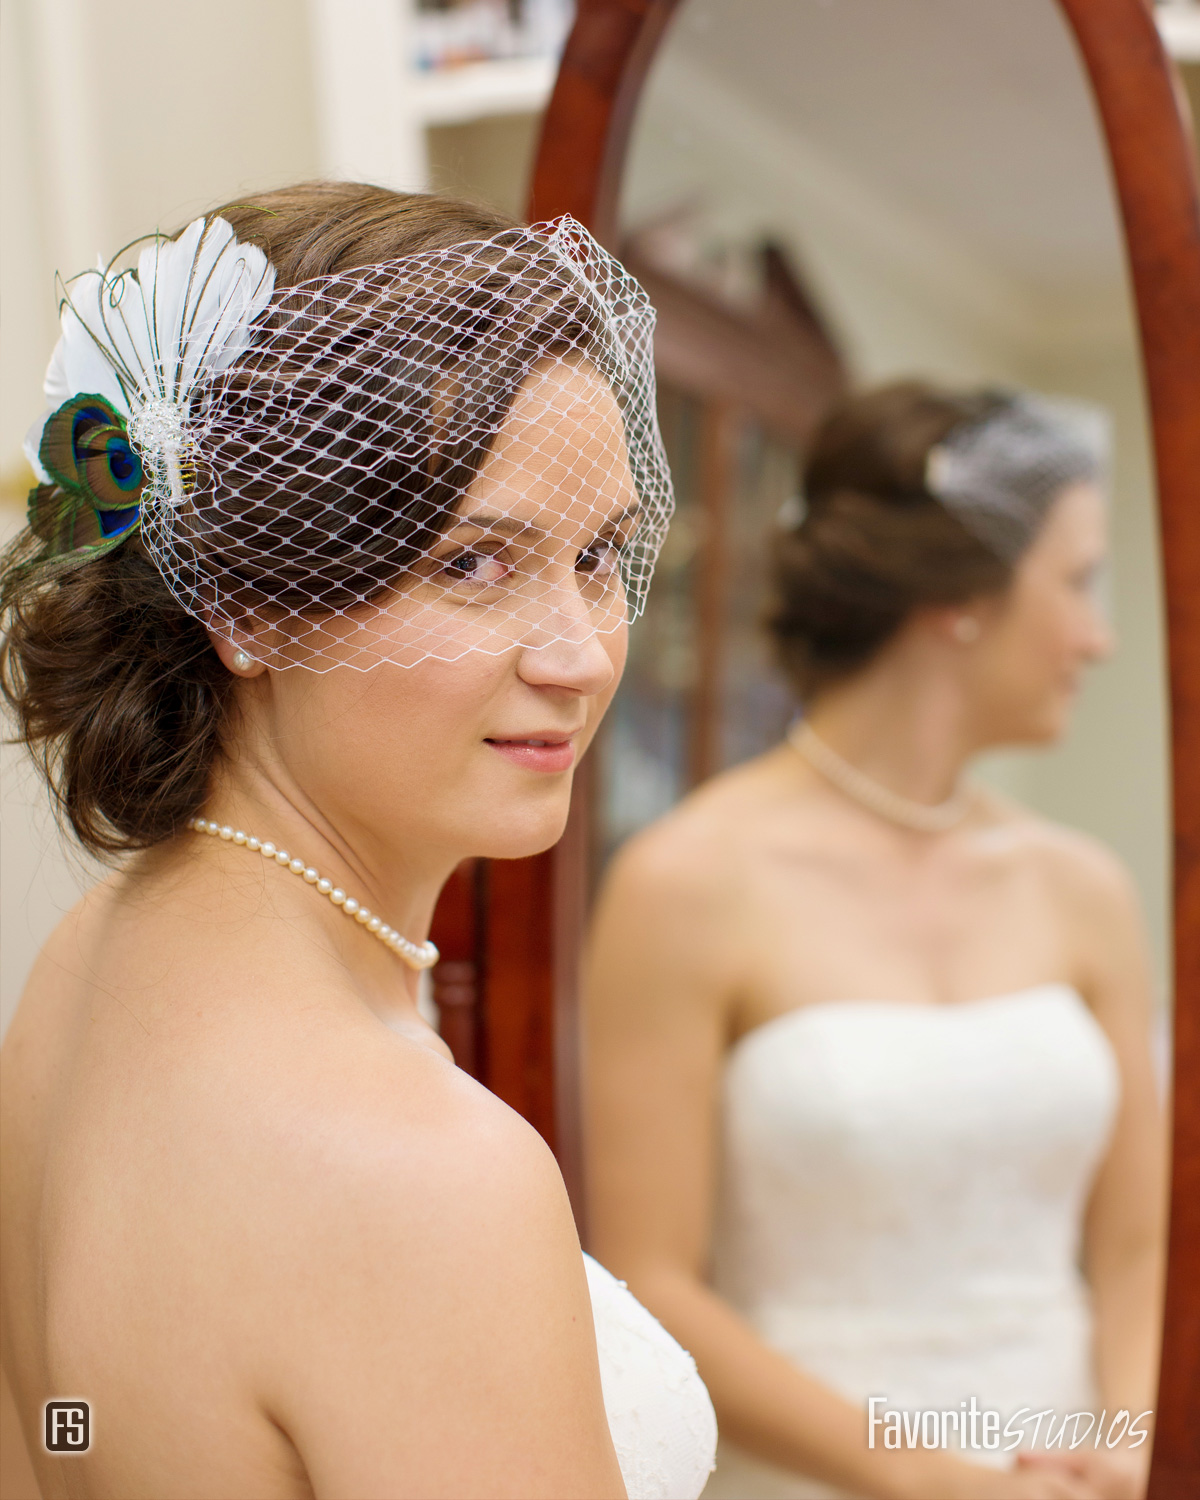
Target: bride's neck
[[901, 724], [396, 877]]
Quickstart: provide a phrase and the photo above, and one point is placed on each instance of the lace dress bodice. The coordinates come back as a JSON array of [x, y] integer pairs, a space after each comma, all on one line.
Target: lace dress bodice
[[901, 1203], [659, 1414]]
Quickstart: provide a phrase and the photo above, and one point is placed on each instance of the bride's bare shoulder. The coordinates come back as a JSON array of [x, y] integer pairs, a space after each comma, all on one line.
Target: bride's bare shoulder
[[412, 1268], [1074, 865], [358, 1110], [261, 1059], [710, 842]]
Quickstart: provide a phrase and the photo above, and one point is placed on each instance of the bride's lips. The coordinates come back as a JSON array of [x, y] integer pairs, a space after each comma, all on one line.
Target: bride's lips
[[538, 752]]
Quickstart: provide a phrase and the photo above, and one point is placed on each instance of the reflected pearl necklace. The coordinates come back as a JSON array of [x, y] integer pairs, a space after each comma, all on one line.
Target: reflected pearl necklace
[[415, 955], [868, 793]]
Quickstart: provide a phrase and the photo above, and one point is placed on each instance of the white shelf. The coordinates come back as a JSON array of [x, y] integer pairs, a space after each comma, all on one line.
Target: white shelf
[[509, 86]]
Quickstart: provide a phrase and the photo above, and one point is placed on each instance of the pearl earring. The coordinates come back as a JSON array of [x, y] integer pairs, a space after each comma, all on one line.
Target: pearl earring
[[966, 630], [242, 661]]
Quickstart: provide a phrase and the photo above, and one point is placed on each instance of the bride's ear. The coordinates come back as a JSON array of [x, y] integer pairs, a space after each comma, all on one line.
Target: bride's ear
[[236, 658], [960, 624]]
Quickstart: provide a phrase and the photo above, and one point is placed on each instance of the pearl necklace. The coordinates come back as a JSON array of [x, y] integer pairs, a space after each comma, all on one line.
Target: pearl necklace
[[415, 955], [860, 788]]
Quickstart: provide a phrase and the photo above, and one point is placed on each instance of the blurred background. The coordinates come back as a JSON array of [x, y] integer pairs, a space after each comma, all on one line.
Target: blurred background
[[138, 114]]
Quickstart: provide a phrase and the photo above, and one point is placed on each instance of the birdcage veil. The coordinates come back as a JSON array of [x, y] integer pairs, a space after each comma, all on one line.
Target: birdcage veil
[[455, 450], [1000, 473]]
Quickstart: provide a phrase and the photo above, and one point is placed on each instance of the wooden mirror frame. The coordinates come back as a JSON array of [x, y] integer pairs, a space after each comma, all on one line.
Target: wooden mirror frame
[[511, 931]]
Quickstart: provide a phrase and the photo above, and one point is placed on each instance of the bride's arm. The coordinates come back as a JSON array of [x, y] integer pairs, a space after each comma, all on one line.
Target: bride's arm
[[1123, 1230], [667, 956]]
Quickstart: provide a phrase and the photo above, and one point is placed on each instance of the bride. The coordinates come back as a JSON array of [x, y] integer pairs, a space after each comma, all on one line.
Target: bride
[[345, 497], [871, 1104]]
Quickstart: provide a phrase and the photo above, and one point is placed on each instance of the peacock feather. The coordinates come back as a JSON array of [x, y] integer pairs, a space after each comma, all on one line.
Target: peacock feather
[[92, 498]]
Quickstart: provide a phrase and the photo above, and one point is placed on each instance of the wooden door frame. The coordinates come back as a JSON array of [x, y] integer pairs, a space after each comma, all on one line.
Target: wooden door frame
[[580, 159]]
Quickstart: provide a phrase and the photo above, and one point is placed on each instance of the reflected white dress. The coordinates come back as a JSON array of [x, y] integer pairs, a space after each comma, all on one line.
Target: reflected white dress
[[662, 1422], [901, 1204]]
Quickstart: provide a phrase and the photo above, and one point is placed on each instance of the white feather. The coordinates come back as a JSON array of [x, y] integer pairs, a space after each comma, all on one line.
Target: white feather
[[153, 331]]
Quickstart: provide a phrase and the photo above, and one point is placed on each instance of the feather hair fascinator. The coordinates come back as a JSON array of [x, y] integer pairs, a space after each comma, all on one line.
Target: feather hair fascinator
[[133, 347]]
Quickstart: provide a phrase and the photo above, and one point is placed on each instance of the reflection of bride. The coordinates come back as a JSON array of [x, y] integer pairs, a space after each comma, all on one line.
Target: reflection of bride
[[871, 1105]]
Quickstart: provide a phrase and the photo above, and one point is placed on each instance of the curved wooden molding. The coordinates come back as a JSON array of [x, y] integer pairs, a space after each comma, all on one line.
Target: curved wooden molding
[[585, 132], [578, 169]]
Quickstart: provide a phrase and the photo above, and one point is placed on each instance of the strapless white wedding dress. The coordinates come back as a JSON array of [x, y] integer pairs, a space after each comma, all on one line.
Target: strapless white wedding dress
[[901, 1204], [659, 1414]]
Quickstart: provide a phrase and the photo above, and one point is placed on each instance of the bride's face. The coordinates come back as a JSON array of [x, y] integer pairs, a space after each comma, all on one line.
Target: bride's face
[[471, 751], [1040, 635]]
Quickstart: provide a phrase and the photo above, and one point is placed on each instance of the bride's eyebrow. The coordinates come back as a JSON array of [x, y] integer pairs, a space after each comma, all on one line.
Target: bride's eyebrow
[[630, 513], [488, 520]]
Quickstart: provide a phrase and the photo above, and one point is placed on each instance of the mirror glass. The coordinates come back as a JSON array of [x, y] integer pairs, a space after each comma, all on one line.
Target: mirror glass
[[935, 175], [822, 195]]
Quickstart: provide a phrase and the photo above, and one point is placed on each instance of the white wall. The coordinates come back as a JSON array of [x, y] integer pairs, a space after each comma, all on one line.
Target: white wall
[[124, 117], [117, 119]]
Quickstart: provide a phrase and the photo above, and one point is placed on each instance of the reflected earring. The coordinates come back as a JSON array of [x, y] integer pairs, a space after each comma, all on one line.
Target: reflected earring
[[966, 630], [242, 661]]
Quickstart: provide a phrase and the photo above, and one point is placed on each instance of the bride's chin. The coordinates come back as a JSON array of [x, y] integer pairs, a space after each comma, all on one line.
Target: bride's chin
[[519, 832], [521, 843]]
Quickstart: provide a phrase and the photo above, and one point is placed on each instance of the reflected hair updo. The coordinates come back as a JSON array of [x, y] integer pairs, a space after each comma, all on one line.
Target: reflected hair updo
[[875, 543], [115, 688]]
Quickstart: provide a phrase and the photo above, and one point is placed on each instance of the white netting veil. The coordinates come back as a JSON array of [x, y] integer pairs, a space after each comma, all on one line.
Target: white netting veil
[[1000, 473], [452, 451]]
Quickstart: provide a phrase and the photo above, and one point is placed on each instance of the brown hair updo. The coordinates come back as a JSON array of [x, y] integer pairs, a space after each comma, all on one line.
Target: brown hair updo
[[116, 690], [874, 543]]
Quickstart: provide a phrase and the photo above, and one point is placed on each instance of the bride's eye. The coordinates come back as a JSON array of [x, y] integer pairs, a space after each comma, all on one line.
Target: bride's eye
[[600, 559], [482, 568]]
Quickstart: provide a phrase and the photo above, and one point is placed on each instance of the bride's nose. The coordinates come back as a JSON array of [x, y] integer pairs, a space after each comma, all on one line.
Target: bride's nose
[[565, 648], [583, 667]]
